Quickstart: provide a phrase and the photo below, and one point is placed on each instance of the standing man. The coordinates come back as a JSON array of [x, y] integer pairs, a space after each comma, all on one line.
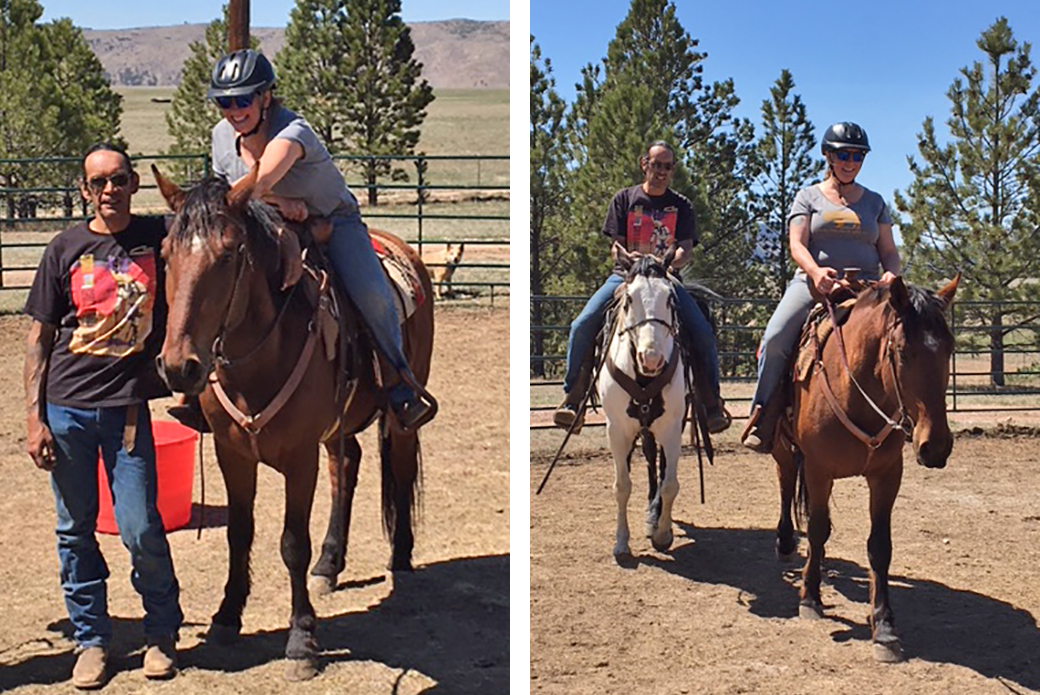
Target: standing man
[[646, 219], [98, 308]]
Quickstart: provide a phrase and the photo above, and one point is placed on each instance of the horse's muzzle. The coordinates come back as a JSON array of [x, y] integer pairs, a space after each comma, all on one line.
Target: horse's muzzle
[[188, 377], [933, 454]]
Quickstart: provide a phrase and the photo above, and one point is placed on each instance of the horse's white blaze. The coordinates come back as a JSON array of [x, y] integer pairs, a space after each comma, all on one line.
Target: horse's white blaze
[[649, 299], [197, 243]]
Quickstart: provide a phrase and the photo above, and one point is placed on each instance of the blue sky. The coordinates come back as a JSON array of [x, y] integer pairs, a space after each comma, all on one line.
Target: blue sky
[[884, 64], [119, 14]]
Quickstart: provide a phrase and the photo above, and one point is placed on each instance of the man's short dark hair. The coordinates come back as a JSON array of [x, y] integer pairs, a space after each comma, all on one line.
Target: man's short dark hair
[[656, 143], [105, 147]]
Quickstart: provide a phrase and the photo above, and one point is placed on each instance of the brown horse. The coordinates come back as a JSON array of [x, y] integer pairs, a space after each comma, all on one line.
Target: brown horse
[[235, 333], [851, 416]]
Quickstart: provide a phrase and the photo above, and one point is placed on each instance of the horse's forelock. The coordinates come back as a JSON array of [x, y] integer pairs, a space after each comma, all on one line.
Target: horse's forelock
[[926, 314], [204, 214], [648, 266]]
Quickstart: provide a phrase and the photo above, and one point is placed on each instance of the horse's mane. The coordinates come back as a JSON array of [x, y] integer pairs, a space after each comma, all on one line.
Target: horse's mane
[[205, 212], [926, 315]]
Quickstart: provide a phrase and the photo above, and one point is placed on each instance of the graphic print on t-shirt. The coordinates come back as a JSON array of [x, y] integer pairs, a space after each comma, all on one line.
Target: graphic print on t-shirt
[[842, 220], [651, 231], [113, 297]]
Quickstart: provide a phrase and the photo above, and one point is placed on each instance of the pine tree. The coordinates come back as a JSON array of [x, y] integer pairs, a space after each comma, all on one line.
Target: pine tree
[[348, 67], [54, 100], [192, 116], [548, 193], [974, 204], [785, 155]]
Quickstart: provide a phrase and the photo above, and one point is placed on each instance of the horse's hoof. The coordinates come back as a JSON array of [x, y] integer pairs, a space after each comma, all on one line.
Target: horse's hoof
[[810, 611], [297, 670], [888, 652], [622, 553], [222, 634], [785, 550], [320, 585], [663, 544]]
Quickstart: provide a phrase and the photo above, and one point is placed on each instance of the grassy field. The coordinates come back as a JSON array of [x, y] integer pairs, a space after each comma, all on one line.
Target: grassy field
[[458, 122]]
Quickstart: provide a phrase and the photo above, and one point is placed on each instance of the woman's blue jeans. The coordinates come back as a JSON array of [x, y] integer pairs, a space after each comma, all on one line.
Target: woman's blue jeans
[[363, 277], [587, 325], [78, 436]]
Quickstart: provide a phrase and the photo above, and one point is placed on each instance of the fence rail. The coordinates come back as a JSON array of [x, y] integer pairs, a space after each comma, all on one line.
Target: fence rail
[[446, 199], [740, 325]]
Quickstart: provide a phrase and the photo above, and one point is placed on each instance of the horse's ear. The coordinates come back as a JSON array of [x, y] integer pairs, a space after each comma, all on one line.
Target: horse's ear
[[170, 191], [898, 296], [242, 189], [946, 293], [621, 256], [669, 257]]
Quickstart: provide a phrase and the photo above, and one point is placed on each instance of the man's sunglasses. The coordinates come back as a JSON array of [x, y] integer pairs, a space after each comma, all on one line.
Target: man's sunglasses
[[844, 156], [99, 183], [242, 101], [662, 166]]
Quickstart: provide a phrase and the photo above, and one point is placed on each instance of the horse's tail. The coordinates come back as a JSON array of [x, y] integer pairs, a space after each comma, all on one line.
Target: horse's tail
[[801, 500], [400, 456]]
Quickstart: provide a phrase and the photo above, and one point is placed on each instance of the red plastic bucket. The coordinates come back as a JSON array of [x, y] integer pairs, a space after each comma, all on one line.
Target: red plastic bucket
[[175, 470]]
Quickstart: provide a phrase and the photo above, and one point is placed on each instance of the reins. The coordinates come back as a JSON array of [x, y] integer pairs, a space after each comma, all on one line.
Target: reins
[[904, 422]]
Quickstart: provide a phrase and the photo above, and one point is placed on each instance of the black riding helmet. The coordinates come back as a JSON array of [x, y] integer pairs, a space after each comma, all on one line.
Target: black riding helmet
[[239, 73], [844, 136]]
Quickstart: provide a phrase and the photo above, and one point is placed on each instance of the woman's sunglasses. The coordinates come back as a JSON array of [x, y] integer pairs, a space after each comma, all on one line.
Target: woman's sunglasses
[[856, 157], [99, 183], [242, 101]]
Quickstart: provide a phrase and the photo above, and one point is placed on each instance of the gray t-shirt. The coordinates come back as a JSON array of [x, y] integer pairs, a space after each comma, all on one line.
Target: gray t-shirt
[[313, 178], [842, 236]]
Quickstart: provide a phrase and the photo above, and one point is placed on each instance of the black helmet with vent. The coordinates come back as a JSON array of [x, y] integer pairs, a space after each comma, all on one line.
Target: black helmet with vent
[[239, 73], [844, 136]]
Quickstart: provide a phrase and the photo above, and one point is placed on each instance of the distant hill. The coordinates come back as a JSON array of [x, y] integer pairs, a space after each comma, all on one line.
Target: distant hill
[[456, 54]]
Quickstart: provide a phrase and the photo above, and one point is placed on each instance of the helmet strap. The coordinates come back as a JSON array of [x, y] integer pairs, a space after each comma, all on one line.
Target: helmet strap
[[253, 131]]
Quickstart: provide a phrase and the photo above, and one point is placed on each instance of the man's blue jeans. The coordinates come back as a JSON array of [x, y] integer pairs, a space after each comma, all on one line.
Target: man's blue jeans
[[587, 325], [78, 436], [363, 277]]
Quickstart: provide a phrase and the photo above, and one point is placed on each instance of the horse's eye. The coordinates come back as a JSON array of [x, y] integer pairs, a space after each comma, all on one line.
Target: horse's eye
[[226, 258]]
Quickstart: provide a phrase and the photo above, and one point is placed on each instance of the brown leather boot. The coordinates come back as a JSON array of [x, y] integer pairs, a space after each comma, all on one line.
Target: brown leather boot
[[91, 669], [571, 410], [758, 435], [160, 661]]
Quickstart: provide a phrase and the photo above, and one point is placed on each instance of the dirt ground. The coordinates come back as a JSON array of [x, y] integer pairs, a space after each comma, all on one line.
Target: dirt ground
[[718, 613], [444, 628]]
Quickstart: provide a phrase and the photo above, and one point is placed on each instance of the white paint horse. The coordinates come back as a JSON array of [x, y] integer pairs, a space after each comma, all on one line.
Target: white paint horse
[[643, 393]]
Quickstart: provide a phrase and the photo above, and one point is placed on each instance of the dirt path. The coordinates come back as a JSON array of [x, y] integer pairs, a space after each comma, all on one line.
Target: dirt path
[[718, 614], [444, 628]]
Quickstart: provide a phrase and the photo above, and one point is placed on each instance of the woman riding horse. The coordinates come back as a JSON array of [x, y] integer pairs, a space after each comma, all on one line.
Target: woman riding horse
[[297, 175], [833, 225]]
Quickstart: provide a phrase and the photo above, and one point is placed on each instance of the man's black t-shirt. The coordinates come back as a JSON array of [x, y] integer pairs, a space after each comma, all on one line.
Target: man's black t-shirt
[[649, 224], [105, 294]]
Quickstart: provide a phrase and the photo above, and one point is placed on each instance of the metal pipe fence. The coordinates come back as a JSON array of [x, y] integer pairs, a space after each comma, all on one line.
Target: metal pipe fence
[[740, 324], [429, 200]]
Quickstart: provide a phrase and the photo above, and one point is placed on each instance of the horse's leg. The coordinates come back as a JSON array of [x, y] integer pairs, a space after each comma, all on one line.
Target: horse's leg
[[621, 448], [811, 605], [240, 481], [301, 474], [883, 491], [343, 474], [661, 538], [399, 460], [787, 473]]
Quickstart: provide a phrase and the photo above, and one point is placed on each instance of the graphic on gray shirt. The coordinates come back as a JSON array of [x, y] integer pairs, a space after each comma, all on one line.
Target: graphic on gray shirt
[[842, 236], [313, 178]]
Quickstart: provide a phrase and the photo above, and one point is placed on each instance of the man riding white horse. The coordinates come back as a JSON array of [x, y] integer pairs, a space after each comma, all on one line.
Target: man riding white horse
[[635, 221]]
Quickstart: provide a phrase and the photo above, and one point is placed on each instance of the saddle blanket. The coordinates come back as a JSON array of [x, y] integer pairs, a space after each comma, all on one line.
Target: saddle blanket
[[404, 279]]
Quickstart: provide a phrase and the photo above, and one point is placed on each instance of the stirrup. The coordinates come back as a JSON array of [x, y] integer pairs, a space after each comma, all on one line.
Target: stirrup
[[416, 412]]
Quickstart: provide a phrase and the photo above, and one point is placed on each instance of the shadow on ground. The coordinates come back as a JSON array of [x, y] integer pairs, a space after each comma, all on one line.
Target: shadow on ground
[[448, 621], [937, 623]]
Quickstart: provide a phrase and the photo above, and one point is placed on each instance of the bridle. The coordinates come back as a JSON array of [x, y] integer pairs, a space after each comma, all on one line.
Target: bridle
[[902, 420]]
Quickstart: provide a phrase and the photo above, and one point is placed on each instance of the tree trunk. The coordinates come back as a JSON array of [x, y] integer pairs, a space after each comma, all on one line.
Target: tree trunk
[[996, 350], [537, 315], [370, 179]]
